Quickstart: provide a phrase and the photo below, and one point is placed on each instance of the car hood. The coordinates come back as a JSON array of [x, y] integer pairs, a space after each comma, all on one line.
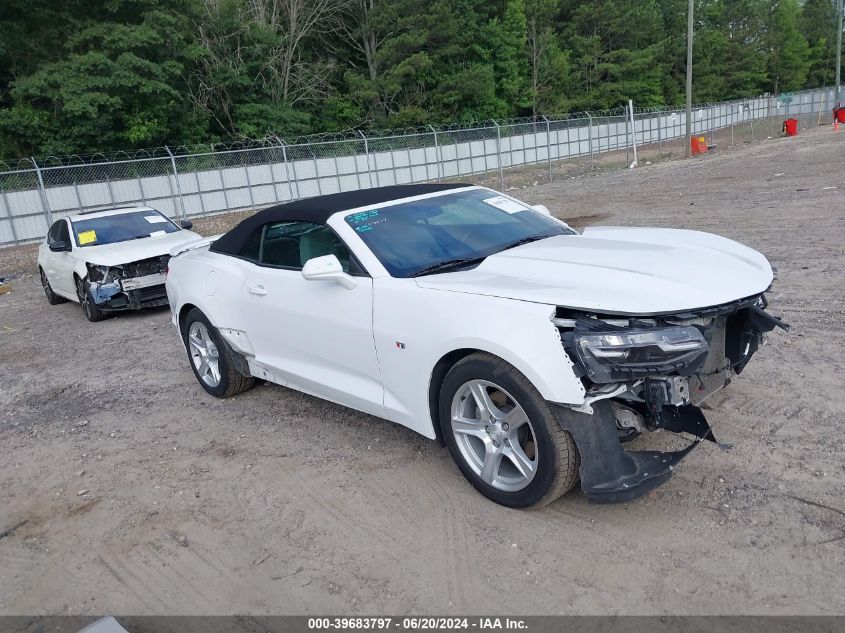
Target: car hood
[[618, 269], [134, 250]]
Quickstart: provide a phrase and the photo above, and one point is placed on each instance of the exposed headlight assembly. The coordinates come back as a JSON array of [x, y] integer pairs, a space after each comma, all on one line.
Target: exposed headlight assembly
[[630, 354], [100, 274]]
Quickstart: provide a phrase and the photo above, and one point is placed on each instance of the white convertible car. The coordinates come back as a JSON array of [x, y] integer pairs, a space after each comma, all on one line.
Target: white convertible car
[[109, 260], [464, 314]]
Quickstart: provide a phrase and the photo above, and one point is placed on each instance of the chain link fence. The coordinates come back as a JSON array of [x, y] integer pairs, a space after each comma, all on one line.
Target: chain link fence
[[195, 182]]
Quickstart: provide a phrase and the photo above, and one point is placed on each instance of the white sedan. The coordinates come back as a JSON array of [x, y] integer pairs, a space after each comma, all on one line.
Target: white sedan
[[109, 260], [466, 315]]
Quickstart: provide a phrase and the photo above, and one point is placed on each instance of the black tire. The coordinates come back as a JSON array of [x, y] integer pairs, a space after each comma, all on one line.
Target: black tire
[[52, 298], [557, 460], [232, 382], [89, 308]]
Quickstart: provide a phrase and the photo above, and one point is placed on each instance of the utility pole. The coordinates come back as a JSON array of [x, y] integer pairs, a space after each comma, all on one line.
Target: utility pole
[[839, 53], [689, 78]]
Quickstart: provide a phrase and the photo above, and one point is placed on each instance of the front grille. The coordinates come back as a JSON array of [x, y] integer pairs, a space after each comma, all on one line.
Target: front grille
[[144, 267], [151, 293]]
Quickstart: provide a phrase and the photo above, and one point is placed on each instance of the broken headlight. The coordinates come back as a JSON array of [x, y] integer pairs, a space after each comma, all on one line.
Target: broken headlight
[[631, 354], [102, 274]]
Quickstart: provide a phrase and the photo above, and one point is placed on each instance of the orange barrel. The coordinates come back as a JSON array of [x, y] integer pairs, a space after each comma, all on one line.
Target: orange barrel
[[790, 126], [698, 145], [839, 114]]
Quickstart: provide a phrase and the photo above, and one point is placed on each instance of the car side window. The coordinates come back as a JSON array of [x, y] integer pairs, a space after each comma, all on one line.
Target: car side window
[[55, 229], [252, 249], [64, 233], [291, 244]]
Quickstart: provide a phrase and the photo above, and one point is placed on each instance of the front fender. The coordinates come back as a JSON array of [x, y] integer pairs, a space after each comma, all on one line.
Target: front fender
[[537, 359], [80, 269], [414, 328]]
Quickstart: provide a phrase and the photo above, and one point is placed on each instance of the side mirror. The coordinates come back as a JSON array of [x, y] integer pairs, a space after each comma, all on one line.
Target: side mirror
[[328, 268], [59, 246], [187, 224]]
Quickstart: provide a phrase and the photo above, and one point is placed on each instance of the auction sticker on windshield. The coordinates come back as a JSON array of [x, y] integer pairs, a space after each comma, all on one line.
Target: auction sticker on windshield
[[364, 221], [87, 237]]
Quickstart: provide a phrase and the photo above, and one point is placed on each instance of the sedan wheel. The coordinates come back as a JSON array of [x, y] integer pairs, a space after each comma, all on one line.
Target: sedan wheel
[[52, 297], [89, 307], [204, 354], [494, 435]]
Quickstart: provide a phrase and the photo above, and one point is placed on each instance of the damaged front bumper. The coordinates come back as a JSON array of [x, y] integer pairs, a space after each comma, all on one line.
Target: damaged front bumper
[[648, 374], [609, 473], [131, 286]]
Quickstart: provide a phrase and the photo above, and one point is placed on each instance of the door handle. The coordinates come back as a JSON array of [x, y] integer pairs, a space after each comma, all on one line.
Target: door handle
[[258, 290]]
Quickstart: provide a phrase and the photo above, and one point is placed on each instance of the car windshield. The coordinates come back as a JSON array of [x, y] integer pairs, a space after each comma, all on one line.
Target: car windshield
[[132, 225], [449, 231]]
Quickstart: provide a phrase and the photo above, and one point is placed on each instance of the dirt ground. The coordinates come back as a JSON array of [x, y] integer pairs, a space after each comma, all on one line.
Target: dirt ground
[[125, 489]]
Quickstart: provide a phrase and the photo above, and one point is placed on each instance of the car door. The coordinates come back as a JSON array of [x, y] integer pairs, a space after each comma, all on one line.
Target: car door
[[315, 336], [60, 265], [47, 259]]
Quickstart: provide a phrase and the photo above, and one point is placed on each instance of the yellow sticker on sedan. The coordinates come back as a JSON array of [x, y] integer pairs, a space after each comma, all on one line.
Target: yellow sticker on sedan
[[86, 237]]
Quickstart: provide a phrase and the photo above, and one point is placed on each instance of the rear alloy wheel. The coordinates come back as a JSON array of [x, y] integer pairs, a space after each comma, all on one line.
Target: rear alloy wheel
[[212, 360], [52, 298], [503, 435], [90, 309], [204, 354]]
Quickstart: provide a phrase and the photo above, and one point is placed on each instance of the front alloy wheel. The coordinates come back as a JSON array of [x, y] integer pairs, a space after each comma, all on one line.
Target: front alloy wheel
[[503, 435], [494, 436]]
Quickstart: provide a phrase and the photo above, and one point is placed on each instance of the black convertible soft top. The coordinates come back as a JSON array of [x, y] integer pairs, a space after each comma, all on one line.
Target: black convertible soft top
[[319, 209]]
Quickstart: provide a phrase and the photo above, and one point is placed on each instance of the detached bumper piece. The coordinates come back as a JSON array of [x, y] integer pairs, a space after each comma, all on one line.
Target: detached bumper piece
[[609, 473], [149, 297]]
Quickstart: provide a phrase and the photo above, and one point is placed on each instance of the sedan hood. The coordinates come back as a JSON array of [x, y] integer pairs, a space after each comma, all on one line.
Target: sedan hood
[[622, 270], [134, 250]]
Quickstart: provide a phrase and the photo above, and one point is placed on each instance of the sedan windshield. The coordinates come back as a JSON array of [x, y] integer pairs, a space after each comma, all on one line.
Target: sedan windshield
[[122, 227], [450, 231]]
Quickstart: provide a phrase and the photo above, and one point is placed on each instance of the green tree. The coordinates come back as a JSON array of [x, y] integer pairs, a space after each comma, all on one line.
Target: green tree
[[789, 54], [736, 66], [819, 24], [99, 75], [508, 35], [117, 83], [549, 67], [419, 64], [617, 52]]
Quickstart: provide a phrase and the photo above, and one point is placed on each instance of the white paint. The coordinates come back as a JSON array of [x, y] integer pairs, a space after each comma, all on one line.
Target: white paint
[[624, 270]]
